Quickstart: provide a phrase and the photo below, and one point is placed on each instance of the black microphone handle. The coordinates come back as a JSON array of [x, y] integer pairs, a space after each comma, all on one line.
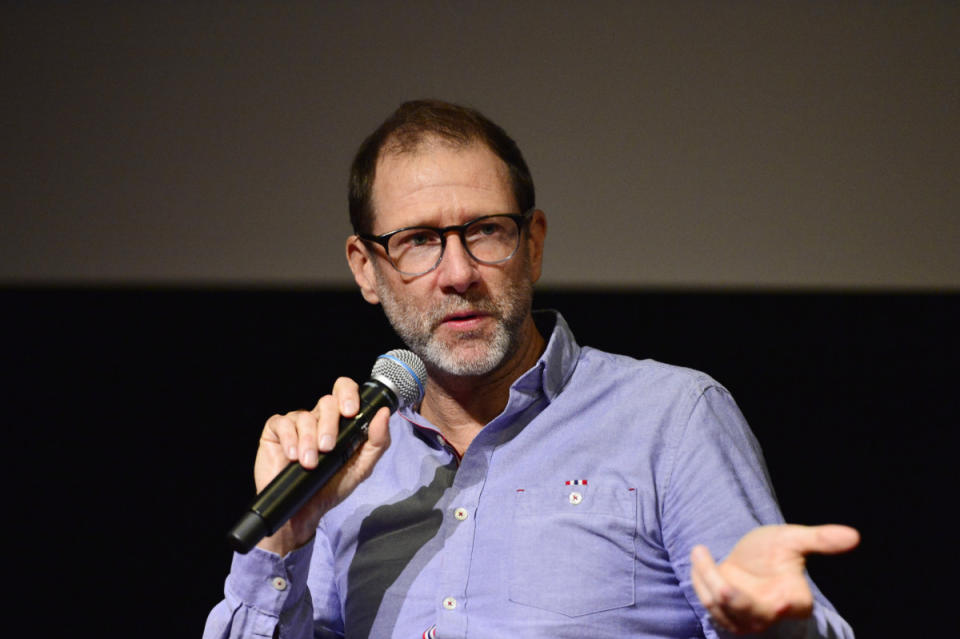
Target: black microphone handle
[[295, 485]]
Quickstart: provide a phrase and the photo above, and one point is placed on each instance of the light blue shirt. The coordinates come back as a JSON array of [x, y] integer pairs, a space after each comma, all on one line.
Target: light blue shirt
[[572, 514]]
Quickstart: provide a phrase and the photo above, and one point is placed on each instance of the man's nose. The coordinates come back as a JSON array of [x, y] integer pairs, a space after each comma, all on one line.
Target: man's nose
[[457, 269]]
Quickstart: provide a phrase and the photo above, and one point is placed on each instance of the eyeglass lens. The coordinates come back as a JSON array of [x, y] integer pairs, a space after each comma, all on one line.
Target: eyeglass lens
[[490, 239]]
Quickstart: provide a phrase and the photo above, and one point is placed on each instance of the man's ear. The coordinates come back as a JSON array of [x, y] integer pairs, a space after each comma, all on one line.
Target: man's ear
[[536, 236], [361, 263]]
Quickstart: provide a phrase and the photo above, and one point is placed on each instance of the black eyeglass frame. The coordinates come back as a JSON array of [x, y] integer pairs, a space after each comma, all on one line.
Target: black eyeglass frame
[[520, 219]]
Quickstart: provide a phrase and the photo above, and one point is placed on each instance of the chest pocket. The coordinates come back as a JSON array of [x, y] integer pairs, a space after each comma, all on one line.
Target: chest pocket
[[573, 549]]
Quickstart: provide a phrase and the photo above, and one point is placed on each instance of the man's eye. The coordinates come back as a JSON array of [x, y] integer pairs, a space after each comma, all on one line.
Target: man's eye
[[423, 238], [482, 230]]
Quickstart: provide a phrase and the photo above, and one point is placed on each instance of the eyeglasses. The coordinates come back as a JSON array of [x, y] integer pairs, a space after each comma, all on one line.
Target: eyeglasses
[[415, 250]]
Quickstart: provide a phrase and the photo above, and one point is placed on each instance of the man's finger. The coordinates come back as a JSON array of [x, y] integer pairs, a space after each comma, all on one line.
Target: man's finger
[[283, 430], [307, 434], [837, 538], [710, 576], [827, 539], [347, 393], [379, 433], [709, 584], [702, 564], [328, 423]]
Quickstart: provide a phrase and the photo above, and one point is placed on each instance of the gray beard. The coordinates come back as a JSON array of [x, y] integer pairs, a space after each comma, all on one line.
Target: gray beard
[[416, 327]]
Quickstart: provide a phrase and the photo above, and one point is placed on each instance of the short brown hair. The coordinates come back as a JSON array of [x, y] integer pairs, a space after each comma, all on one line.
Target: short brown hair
[[408, 127]]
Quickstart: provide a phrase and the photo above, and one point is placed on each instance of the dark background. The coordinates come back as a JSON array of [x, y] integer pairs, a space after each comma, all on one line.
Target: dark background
[[133, 417]]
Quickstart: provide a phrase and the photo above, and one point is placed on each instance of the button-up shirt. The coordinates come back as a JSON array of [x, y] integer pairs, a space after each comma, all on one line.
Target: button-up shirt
[[571, 514]]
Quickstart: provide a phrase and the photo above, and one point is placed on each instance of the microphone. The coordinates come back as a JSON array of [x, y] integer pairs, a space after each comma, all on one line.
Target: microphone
[[396, 381]]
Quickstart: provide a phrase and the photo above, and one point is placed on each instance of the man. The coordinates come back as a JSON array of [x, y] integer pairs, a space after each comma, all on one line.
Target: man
[[540, 489]]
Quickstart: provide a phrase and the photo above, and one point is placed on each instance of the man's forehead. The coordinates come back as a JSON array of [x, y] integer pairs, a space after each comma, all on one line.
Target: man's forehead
[[409, 173]]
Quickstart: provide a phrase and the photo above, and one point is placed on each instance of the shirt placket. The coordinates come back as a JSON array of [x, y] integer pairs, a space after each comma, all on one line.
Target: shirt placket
[[459, 527]]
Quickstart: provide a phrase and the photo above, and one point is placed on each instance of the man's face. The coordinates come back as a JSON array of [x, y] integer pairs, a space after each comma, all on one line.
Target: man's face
[[463, 318]]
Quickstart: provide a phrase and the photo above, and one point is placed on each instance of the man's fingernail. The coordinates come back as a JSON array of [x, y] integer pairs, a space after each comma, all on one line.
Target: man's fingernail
[[292, 452], [349, 406], [326, 442], [310, 457]]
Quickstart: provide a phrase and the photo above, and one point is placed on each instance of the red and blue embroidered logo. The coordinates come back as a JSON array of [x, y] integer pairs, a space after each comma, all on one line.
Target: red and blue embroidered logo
[[576, 482]]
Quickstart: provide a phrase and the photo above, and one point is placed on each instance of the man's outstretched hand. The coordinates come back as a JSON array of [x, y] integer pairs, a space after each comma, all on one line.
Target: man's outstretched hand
[[762, 579]]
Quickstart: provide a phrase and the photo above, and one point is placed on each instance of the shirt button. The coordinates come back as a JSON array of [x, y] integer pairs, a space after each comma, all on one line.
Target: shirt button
[[575, 498], [461, 514], [279, 583], [449, 603]]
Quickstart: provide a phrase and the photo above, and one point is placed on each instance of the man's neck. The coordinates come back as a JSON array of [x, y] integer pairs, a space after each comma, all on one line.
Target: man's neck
[[461, 406]]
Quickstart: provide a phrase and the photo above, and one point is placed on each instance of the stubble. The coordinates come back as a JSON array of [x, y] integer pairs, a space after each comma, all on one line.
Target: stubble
[[469, 353]]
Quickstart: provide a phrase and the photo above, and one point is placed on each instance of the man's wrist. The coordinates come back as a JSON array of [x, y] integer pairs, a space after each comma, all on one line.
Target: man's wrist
[[286, 540]]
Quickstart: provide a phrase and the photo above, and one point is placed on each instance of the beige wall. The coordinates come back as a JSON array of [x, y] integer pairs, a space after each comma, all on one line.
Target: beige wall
[[704, 144]]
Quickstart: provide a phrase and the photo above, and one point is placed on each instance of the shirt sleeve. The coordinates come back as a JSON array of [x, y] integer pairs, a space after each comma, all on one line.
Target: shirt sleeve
[[263, 594], [718, 489]]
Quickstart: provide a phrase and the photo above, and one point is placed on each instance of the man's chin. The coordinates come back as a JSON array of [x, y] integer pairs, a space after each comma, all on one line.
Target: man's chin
[[463, 359]]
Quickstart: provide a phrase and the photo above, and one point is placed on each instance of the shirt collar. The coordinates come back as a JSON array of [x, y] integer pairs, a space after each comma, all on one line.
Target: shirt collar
[[558, 361], [551, 372]]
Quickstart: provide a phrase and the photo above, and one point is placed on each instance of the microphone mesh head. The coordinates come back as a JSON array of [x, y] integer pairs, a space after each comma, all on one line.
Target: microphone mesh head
[[404, 373]]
